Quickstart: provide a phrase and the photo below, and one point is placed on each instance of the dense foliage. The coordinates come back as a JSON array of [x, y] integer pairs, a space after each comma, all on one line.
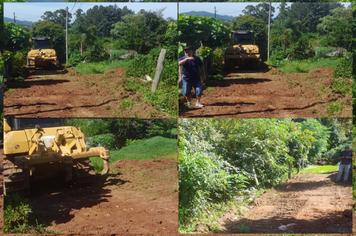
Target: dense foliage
[[114, 133], [222, 159]]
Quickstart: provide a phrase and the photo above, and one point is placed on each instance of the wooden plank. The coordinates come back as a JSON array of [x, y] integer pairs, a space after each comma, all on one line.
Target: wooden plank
[[159, 69]]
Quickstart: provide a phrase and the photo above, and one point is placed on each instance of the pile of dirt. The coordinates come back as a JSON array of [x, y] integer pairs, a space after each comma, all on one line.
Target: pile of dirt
[[142, 198], [271, 93]]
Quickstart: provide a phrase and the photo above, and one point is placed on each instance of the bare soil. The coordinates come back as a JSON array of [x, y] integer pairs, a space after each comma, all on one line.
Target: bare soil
[[66, 94], [271, 93], [141, 199], [308, 203]]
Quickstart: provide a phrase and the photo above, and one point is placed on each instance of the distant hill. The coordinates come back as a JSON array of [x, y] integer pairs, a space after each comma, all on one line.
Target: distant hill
[[209, 14], [20, 22]]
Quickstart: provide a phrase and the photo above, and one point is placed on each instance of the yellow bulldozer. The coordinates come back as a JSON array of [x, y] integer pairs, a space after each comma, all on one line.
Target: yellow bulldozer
[[43, 152], [243, 52], [42, 55]]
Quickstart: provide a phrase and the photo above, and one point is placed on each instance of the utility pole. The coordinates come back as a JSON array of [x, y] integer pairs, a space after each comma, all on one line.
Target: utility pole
[[67, 35], [14, 17], [215, 12], [269, 29]]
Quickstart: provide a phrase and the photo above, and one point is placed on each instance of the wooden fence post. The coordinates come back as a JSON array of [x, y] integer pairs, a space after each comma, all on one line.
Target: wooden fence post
[[159, 69]]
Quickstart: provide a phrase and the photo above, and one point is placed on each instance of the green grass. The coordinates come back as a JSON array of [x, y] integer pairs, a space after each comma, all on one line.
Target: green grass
[[342, 86], [334, 108], [304, 66], [165, 98], [315, 169], [143, 149], [126, 104], [100, 67]]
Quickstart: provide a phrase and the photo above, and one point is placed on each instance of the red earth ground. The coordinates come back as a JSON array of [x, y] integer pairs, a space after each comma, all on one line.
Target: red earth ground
[[66, 94], [308, 203], [272, 94], [140, 198]]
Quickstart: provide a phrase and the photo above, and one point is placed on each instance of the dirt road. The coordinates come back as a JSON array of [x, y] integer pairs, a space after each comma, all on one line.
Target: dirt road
[[141, 199], [272, 94], [308, 203], [62, 94]]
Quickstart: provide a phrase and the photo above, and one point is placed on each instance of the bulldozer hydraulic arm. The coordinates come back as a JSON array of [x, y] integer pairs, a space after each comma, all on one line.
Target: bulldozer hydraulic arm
[[102, 152]]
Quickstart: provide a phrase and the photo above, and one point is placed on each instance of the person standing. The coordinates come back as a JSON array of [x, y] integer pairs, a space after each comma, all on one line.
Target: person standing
[[190, 73], [345, 165]]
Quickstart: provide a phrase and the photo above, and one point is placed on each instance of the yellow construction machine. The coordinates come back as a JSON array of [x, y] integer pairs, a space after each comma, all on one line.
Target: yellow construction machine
[[243, 52], [42, 55], [43, 151]]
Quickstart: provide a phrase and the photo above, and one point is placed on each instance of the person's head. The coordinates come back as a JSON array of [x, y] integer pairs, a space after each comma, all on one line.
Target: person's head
[[189, 51]]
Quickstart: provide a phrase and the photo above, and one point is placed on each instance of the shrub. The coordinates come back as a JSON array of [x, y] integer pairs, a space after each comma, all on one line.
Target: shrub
[[344, 67], [19, 216], [205, 180], [105, 140], [75, 59]]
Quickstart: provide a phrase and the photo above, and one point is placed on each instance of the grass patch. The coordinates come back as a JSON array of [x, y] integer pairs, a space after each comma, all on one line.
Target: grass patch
[[100, 67], [126, 104], [342, 86], [19, 217], [316, 169], [304, 66], [143, 149], [334, 108], [165, 98]]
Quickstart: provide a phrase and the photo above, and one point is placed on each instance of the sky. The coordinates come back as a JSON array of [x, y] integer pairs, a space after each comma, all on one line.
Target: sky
[[33, 11], [224, 8]]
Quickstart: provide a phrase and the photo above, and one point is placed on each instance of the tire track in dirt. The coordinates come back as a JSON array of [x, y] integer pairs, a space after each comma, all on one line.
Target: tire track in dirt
[[70, 95], [308, 203], [270, 94]]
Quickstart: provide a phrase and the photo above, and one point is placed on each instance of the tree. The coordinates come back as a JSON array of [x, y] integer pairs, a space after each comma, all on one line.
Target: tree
[[102, 18], [58, 17], [141, 32], [200, 30], [16, 37], [260, 11], [336, 28]]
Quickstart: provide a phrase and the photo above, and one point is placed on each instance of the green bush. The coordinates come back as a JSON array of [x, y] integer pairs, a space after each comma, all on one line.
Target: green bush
[[217, 60], [19, 216], [75, 59], [344, 68], [277, 58], [205, 180], [104, 140]]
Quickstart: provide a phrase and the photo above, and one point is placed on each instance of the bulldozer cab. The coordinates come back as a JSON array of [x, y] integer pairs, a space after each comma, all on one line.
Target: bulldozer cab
[[41, 43], [242, 37]]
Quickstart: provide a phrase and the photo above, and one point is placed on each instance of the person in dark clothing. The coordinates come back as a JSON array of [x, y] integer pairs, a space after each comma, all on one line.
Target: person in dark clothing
[[189, 73], [345, 165]]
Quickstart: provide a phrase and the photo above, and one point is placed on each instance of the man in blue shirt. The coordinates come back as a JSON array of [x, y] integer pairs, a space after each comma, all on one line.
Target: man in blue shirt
[[189, 72]]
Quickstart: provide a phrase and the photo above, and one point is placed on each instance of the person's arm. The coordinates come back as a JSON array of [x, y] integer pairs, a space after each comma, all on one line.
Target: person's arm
[[183, 61]]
